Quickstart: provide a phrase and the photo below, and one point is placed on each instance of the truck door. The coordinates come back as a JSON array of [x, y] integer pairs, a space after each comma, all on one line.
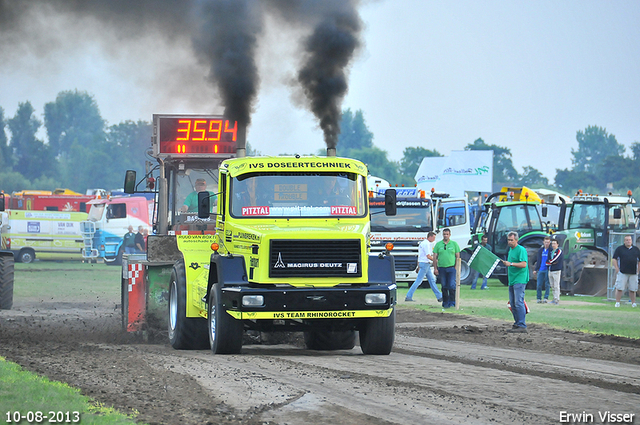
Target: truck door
[[454, 214]]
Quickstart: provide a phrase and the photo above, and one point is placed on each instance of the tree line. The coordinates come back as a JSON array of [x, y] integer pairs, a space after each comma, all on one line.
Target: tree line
[[81, 152], [599, 165]]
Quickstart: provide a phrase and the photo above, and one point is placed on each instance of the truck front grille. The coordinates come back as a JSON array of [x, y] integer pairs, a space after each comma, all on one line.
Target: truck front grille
[[315, 258], [405, 262]]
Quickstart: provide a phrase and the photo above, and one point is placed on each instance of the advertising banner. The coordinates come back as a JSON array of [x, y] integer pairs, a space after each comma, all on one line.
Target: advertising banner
[[459, 172]]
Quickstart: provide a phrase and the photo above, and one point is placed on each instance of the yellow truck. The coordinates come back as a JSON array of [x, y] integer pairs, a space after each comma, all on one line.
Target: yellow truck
[[51, 235], [285, 248]]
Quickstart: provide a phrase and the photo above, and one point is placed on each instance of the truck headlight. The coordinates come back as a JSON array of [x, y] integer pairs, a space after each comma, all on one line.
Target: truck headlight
[[375, 298], [253, 300]]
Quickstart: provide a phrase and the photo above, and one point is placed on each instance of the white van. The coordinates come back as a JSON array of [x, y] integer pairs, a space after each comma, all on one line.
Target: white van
[[43, 234]]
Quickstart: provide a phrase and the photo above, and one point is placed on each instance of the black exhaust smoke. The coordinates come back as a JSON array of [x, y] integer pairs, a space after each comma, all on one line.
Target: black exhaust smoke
[[223, 35], [323, 76], [226, 39]]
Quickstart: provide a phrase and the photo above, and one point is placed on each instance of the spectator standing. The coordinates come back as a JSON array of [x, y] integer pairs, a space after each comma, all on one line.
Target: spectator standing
[[542, 271], [554, 262], [484, 242], [129, 241], [139, 240], [626, 260], [425, 259], [518, 274], [445, 254]]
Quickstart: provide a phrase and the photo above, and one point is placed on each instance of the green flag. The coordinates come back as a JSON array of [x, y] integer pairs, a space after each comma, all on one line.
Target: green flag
[[483, 261]]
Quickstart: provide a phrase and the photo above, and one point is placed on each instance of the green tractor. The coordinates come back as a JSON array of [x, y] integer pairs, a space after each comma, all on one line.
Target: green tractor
[[584, 238], [512, 209]]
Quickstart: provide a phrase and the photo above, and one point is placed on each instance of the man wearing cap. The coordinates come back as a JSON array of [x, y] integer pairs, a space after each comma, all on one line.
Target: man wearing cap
[[191, 202]]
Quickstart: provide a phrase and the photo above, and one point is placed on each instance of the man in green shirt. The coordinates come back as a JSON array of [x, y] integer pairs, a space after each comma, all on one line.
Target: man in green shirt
[[445, 254], [191, 202], [518, 273]]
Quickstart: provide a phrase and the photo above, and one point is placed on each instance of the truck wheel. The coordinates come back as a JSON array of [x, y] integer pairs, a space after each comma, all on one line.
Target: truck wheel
[[118, 260], [225, 332], [185, 333], [6, 282], [26, 256], [504, 280], [466, 273], [377, 334], [330, 340]]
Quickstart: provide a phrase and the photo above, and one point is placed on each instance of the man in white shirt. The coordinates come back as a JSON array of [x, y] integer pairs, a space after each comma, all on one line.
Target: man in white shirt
[[425, 258]]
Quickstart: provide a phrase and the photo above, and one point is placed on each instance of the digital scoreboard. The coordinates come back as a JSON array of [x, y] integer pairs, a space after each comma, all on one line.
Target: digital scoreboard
[[194, 135]]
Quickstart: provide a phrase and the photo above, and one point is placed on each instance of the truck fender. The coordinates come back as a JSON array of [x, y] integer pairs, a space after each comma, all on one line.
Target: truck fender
[[534, 240], [118, 258], [382, 269], [227, 271]]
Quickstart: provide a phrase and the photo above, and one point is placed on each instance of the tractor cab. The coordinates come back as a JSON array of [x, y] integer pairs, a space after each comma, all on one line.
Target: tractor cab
[[185, 179], [585, 241], [511, 217], [507, 211], [600, 215]]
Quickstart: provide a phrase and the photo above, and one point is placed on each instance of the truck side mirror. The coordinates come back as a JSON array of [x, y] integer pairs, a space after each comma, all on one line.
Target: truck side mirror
[[204, 204], [617, 213], [545, 211], [130, 181], [390, 207]]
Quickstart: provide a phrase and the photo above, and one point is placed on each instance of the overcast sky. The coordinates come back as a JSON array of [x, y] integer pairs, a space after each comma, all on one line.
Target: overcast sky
[[438, 74]]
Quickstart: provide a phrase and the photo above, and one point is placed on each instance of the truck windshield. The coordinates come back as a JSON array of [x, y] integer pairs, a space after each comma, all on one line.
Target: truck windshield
[[586, 215], [592, 216], [413, 215], [188, 184], [298, 195]]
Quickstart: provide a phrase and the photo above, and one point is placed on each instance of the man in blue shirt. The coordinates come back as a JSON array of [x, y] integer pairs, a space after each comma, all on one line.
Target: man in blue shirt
[[542, 271]]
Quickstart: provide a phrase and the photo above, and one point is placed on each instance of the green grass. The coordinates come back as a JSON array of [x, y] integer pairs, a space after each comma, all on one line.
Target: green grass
[[22, 391], [67, 281], [51, 281], [584, 314]]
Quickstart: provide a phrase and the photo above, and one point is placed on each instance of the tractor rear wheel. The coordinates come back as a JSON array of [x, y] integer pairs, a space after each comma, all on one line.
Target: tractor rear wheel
[[6, 282]]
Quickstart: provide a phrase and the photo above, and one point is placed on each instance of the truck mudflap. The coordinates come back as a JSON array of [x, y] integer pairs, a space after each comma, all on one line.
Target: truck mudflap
[[134, 293]]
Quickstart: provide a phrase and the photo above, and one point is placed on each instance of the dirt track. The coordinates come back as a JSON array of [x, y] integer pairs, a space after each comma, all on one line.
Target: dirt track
[[444, 369]]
